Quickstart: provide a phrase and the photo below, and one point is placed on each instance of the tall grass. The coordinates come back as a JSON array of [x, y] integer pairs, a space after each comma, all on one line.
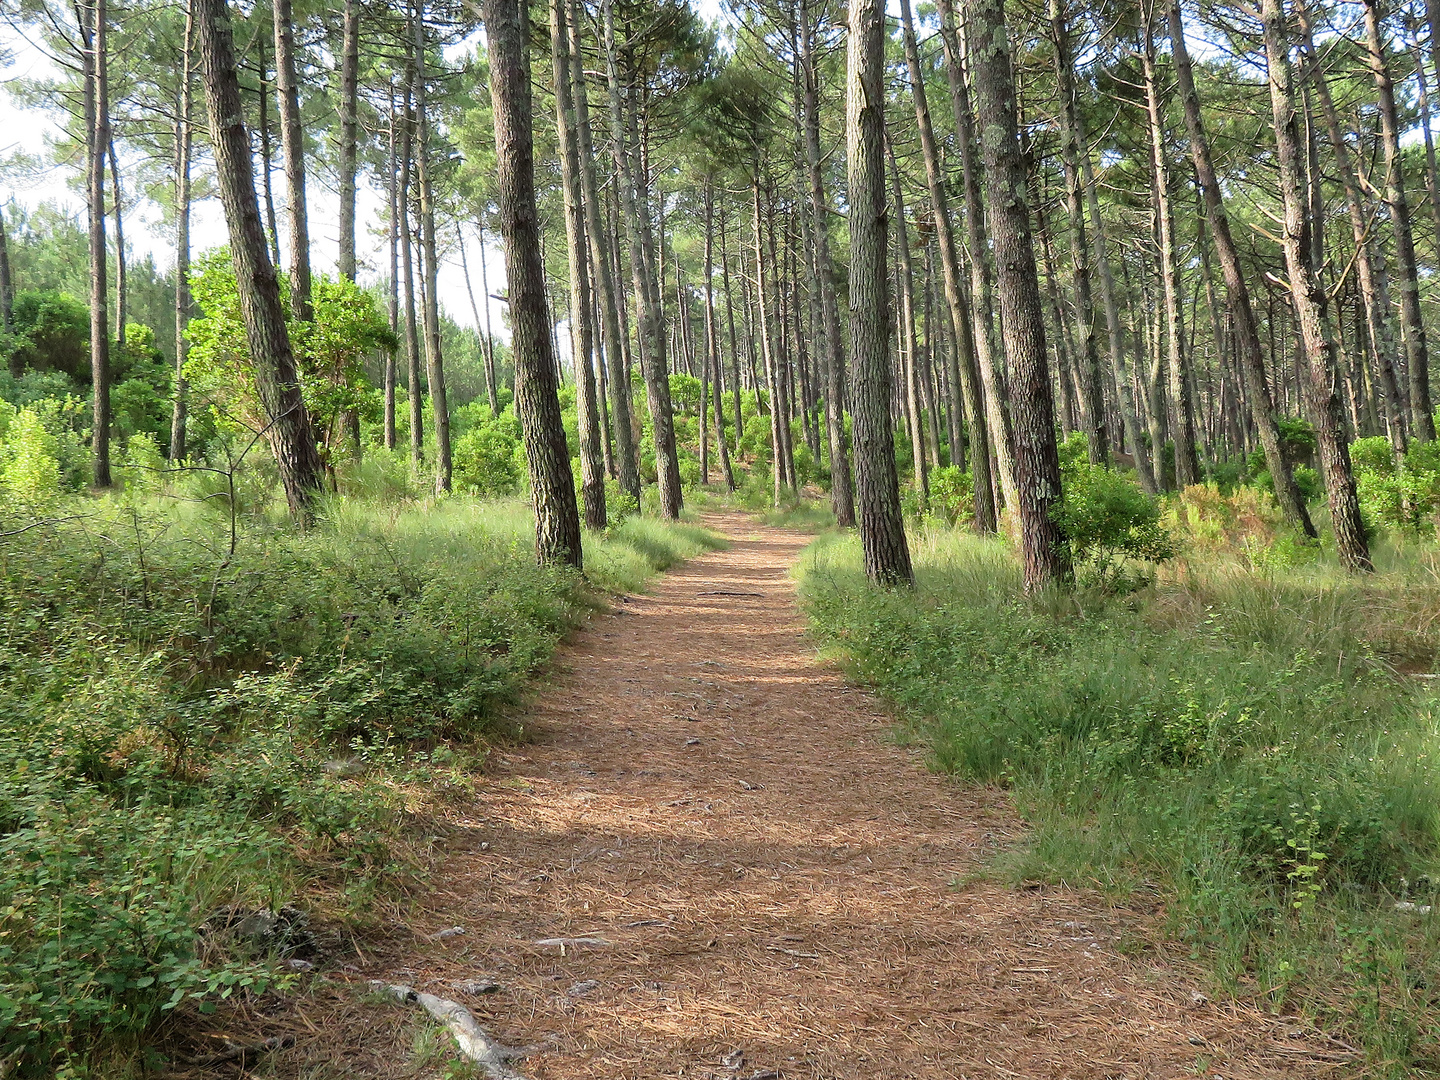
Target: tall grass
[[189, 730], [1242, 739]]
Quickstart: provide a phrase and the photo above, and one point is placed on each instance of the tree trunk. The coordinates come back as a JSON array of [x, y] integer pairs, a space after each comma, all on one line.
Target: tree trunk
[[121, 293], [607, 294], [1310, 302], [97, 107], [730, 319], [492, 390], [977, 244], [292, 145], [537, 403], [393, 291], [910, 367], [349, 103], [1422, 418], [1074, 147], [842, 493], [651, 330], [434, 361], [7, 292], [712, 338], [407, 259], [267, 152], [1037, 461], [1373, 288], [276, 379], [1182, 424], [767, 352], [1237, 291], [184, 136], [955, 305], [877, 488], [592, 453]]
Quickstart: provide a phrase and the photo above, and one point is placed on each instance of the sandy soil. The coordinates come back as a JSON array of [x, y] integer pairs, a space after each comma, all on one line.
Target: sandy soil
[[772, 887]]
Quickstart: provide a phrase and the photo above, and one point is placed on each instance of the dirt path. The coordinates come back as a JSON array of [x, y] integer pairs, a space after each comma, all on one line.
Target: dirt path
[[770, 876]]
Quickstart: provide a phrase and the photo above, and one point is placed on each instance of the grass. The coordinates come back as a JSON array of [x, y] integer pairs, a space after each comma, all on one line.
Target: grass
[[191, 734], [1241, 739]]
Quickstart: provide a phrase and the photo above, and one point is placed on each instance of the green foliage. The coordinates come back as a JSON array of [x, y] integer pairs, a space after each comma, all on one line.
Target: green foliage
[[1403, 496], [173, 716], [1109, 523], [489, 458], [329, 351], [51, 333], [1232, 737]]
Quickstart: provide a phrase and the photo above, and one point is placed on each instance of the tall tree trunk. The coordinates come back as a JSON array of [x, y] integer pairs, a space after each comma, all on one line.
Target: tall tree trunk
[[1182, 425], [267, 152], [1144, 467], [1310, 301], [276, 379], [184, 136], [393, 292], [492, 390], [349, 122], [1432, 184], [1422, 418], [292, 145], [712, 337], [1237, 290], [877, 488], [910, 366], [842, 493], [767, 351], [122, 297], [1074, 147], [642, 269], [607, 294], [955, 305], [97, 107], [592, 453], [730, 319], [407, 259], [1373, 287], [7, 294], [434, 361], [977, 245], [537, 402], [1037, 460]]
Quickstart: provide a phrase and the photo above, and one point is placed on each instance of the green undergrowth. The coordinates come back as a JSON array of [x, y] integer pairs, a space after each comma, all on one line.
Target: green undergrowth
[[191, 733], [1253, 743]]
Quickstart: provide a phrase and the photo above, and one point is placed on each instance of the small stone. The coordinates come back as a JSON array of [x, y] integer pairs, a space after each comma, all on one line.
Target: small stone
[[446, 934], [692, 742], [344, 768], [1197, 999], [580, 989], [299, 965]]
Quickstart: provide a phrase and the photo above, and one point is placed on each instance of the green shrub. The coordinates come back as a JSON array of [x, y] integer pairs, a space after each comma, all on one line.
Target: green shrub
[[1109, 522]]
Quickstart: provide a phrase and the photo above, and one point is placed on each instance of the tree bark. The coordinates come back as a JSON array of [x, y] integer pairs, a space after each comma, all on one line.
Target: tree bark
[[1237, 290], [1074, 146], [1044, 552], [909, 363], [122, 297], [276, 378], [97, 107], [1374, 291], [977, 244], [627, 470], [349, 122], [877, 488], [292, 146], [971, 394], [1422, 418], [1182, 424], [842, 492], [642, 269], [1310, 302], [407, 258], [434, 361], [537, 403], [267, 153], [184, 136], [712, 338], [393, 291], [592, 453]]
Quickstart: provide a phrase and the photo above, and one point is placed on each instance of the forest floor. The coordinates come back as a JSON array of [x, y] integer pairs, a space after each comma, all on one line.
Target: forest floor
[[771, 888]]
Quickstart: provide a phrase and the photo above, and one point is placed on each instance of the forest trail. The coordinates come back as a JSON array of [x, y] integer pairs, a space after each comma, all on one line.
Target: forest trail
[[768, 875]]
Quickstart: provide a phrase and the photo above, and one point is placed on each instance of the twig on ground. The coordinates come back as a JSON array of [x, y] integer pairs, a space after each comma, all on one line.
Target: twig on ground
[[474, 1043]]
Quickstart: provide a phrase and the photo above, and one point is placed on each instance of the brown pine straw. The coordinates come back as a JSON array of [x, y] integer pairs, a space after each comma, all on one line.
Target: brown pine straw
[[793, 886]]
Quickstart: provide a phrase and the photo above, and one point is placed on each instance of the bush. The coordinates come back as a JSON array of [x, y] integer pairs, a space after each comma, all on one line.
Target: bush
[[1109, 523]]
